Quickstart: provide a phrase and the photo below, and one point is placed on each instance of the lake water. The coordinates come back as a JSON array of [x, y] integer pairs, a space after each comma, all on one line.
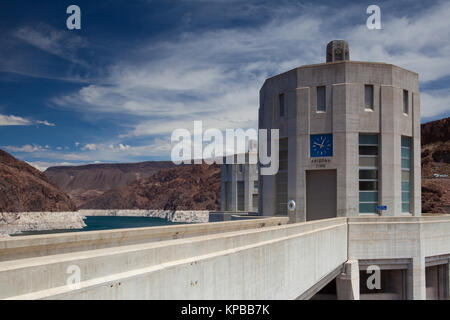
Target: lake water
[[107, 222]]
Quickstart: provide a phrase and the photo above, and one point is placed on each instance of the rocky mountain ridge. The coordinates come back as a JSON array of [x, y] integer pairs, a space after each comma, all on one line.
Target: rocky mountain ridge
[[25, 189]]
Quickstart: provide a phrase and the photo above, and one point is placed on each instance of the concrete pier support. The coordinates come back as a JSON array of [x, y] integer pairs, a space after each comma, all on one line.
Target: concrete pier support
[[447, 281], [347, 283], [418, 280]]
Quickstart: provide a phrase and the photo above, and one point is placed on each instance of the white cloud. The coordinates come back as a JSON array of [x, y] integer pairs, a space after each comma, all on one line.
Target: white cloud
[[63, 44], [215, 75], [45, 123], [124, 147], [419, 43], [12, 120], [90, 147], [26, 148], [435, 103], [101, 152], [43, 165], [120, 146]]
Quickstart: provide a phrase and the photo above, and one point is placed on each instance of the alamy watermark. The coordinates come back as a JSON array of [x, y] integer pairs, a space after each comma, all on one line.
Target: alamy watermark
[[374, 20], [374, 280], [74, 20], [74, 278], [231, 149]]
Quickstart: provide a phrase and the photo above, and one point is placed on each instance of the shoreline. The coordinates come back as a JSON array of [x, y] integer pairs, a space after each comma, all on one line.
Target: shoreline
[[12, 223], [184, 216], [18, 222]]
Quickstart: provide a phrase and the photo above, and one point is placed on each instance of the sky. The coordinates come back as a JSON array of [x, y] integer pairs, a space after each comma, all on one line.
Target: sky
[[115, 90]]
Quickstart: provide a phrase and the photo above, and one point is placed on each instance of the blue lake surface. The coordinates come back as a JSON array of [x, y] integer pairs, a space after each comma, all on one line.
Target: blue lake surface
[[105, 223]]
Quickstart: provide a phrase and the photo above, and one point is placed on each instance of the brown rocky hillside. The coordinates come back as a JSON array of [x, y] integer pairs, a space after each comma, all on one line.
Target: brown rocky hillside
[[24, 188], [186, 187], [83, 183], [436, 166]]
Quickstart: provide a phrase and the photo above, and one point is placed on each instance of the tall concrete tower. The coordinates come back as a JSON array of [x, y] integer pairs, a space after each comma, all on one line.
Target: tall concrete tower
[[349, 139]]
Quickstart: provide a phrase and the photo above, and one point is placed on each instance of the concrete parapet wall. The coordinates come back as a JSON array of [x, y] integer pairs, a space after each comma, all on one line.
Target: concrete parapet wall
[[227, 215], [41, 245], [398, 237], [263, 260], [279, 262]]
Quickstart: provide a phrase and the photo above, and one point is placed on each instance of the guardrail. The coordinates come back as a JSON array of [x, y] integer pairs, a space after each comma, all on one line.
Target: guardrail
[[276, 262], [40, 245]]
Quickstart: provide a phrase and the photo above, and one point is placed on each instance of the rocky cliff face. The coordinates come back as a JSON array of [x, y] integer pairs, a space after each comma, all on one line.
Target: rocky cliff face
[[435, 131], [84, 183], [186, 187], [436, 166], [24, 188]]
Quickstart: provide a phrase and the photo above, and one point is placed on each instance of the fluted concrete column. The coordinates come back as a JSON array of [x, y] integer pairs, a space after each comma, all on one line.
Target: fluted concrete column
[[390, 155], [416, 191], [301, 156]]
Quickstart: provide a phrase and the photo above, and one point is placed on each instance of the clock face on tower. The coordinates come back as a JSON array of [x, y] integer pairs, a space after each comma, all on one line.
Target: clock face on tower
[[321, 145]]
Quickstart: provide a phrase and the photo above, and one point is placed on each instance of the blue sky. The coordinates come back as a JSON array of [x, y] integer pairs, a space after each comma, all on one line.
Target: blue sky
[[114, 90]]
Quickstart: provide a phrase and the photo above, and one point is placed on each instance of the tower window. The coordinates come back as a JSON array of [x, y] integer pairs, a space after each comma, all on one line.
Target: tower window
[[282, 178], [368, 96], [321, 99], [405, 101], [368, 173], [406, 173], [281, 101]]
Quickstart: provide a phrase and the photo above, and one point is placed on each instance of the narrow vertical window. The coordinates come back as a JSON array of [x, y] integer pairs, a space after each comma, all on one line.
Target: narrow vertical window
[[282, 178], [281, 101], [368, 96], [405, 101], [368, 173], [321, 99], [406, 173], [240, 196], [228, 197]]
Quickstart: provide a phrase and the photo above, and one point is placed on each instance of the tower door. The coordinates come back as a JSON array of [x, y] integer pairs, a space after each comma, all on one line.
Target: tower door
[[320, 194]]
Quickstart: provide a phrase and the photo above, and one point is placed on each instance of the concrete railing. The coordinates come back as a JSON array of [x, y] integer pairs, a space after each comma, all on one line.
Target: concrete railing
[[249, 259], [393, 237], [277, 262], [40, 245], [410, 240]]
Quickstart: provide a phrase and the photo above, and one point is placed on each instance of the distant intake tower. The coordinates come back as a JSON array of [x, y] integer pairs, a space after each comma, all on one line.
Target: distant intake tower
[[349, 139]]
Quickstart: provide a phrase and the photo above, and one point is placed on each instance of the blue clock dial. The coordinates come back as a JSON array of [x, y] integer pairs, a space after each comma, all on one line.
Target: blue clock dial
[[321, 145]]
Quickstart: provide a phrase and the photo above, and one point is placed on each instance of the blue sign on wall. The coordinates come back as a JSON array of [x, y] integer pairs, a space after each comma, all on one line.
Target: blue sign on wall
[[381, 207]]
